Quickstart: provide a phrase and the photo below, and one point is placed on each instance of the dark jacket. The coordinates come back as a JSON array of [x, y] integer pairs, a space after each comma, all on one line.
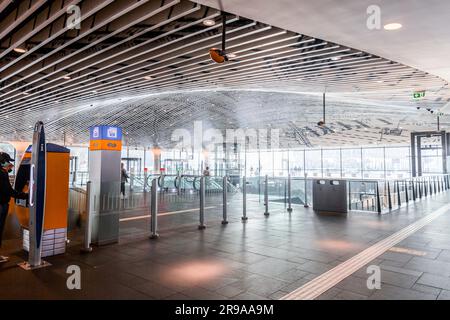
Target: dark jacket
[[6, 191], [123, 176]]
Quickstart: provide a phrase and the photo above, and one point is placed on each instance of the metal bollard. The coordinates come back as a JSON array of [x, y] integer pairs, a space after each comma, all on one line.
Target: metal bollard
[[306, 194], [224, 191], [378, 199], [154, 211], [389, 195], [266, 196], [178, 180], [289, 209], [244, 199], [406, 191], [419, 184], [87, 231], [413, 190], [202, 204]]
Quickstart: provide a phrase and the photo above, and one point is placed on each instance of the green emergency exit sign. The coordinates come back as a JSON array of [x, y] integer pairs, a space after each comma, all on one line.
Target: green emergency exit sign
[[419, 94]]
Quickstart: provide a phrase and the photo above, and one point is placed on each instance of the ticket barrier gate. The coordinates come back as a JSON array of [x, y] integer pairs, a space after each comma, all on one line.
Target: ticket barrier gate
[[56, 199]]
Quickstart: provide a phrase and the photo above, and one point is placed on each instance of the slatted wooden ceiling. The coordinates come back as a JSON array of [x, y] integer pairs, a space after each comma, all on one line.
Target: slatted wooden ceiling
[[128, 52]]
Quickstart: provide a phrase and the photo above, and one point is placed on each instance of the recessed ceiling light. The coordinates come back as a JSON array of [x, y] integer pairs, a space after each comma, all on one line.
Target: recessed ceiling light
[[148, 78], [20, 50], [392, 26], [380, 81], [231, 55], [26, 93], [67, 77], [336, 58], [209, 22], [94, 91]]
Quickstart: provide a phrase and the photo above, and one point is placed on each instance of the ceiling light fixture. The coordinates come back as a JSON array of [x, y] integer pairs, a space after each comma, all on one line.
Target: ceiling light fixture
[[67, 77], [148, 78], [392, 26], [20, 50], [231, 55], [336, 58], [209, 22]]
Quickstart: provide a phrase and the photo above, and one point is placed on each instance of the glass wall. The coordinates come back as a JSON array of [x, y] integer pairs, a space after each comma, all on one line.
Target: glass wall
[[351, 163], [390, 162], [373, 163], [398, 162], [331, 159]]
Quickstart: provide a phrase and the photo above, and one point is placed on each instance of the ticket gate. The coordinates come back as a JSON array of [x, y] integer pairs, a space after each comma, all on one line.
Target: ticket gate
[[56, 199]]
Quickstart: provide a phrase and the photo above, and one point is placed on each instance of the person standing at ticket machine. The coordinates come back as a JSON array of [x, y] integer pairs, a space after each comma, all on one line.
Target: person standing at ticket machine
[[6, 190]]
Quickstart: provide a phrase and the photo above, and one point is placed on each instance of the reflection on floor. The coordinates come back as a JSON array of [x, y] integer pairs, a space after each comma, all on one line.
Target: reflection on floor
[[264, 258]]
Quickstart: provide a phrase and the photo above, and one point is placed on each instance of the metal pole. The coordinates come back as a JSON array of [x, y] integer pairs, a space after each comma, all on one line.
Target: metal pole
[[306, 193], [349, 195], [324, 106], [202, 204], [289, 209], [406, 191], [389, 195], [87, 231], [413, 190], [266, 196], [419, 183], [378, 200], [145, 180], [154, 210], [224, 194], [398, 194], [244, 199]]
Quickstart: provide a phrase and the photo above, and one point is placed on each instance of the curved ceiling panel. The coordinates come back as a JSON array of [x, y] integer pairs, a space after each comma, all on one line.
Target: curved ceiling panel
[[136, 60], [153, 119]]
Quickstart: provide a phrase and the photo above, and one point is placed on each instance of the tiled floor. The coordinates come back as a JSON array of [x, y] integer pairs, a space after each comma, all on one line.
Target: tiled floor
[[264, 258]]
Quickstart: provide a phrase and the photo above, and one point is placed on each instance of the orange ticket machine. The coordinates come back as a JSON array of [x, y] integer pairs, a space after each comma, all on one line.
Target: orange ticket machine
[[56, 199]]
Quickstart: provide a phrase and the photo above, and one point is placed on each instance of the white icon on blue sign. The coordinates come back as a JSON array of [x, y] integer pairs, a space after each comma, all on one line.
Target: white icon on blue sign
[[112, 132], [96, 132]]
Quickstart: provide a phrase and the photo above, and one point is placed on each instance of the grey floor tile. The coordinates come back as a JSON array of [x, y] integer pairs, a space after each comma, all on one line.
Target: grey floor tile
[[395, 293], [154, 290], [348, 295], [444, 295], [436, 281], [429, 266]]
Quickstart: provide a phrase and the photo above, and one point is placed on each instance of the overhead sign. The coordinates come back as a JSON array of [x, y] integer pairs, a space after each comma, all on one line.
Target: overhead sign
[[105, 133], [419, 94], [105, 138]]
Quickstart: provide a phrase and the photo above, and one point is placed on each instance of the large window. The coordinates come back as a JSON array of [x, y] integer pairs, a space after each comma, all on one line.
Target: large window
[[373, 163], [397, 162], [351, 163], [331, 159], [296, 163], [313, 163]]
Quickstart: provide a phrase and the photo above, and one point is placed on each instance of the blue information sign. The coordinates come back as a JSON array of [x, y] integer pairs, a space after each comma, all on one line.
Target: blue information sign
[[105, 133]]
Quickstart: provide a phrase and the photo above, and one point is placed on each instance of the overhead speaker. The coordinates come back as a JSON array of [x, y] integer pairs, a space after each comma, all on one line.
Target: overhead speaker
[[218, 55]]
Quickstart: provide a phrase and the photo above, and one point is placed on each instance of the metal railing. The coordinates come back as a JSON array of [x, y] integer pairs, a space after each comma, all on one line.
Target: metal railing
[[378, 196]]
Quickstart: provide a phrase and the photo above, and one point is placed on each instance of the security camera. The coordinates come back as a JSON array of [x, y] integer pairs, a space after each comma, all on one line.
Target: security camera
[[418, 108], [218, 55]]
